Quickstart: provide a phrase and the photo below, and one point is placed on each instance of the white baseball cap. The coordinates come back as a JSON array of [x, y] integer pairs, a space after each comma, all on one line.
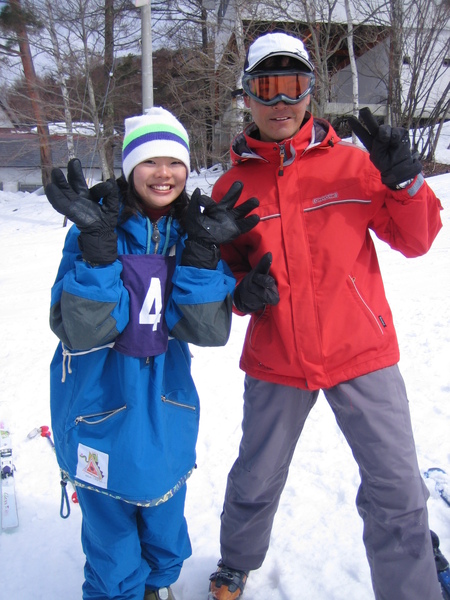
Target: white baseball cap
[[276, 44]]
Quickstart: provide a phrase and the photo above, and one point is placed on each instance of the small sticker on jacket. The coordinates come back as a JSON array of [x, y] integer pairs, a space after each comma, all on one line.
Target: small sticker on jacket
[[92, 466]]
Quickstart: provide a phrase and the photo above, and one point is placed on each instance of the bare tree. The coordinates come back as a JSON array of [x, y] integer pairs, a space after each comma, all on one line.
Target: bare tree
[[191, 79], [395, 61], [16, 20], [108, 69], [426, 85], [377, 30], [199, 49], [61, 78], [323, 25], [79, 42]]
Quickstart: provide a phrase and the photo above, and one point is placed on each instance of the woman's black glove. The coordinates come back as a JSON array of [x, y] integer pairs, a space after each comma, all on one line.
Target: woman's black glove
[[210, 224], [257, 289], [389, 148], [96, 221], [77, 182]]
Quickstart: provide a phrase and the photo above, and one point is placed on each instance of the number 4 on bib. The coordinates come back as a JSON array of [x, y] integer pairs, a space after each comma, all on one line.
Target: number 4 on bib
[[150, 313]]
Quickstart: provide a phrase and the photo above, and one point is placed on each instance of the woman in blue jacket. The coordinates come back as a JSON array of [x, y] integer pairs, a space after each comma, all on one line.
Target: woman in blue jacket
[[140, 278]]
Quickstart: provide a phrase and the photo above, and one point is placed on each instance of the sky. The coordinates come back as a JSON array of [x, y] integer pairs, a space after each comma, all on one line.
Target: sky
[[316, 551]]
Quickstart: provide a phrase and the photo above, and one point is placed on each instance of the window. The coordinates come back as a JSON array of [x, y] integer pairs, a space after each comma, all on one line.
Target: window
[[28, 187], [223, 5]]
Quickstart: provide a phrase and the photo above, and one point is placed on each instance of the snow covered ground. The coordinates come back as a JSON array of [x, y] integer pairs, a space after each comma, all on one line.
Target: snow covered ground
[[316, 551]]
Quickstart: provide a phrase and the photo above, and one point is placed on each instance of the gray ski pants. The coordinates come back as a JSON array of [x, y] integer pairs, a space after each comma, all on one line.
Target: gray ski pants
[[373, 414]]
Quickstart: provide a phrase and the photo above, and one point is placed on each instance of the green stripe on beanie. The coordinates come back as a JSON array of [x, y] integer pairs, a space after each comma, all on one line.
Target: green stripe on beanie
[[155, 127]]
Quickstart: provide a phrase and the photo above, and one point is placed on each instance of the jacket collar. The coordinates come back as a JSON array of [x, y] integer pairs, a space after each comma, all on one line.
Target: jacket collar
[[136, 229], [314, 132]]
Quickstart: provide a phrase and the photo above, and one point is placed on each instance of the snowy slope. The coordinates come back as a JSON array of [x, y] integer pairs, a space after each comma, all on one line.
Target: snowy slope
[[316, 551]]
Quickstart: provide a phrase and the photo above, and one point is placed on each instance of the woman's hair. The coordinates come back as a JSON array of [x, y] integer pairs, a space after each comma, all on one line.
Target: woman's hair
[[132, 204]]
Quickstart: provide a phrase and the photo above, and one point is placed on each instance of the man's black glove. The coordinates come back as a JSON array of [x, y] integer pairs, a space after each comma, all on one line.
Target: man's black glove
[[257, 289], [389, 148], [210, 224], [96, 222]]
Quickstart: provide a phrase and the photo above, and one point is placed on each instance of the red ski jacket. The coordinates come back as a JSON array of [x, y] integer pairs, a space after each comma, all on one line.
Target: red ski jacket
[[319, 199]]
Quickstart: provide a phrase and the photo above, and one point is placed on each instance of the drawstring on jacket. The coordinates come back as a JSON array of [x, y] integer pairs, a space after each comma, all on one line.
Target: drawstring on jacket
[[68, 353], [168, 227]]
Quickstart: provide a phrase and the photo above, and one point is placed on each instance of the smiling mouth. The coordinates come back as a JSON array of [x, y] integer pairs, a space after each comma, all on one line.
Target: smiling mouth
[[161, 188]]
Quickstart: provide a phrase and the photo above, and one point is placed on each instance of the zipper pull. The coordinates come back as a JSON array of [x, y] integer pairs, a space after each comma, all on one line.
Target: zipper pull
[[282, 155], [156, 236]]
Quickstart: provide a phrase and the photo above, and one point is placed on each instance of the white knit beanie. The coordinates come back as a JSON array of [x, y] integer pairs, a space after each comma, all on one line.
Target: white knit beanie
[[155, 133]]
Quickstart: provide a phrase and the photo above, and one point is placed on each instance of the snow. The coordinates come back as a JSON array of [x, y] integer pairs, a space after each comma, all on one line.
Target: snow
[[316, 550]]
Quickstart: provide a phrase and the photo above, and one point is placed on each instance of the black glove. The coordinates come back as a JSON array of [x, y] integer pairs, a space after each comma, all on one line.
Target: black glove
[[389, 148], [257, 289], [77, 182], [218, 223], [96, 222]]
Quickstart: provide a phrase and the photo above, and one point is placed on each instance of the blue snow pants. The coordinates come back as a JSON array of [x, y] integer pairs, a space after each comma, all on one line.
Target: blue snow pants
[[130, 548], [373, 414]]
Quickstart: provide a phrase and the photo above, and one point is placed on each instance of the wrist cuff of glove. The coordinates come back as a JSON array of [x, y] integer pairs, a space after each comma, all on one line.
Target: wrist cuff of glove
[[200, 255], [242, 308], [397, 177], [245, 301], [98, 249], [402, 186]]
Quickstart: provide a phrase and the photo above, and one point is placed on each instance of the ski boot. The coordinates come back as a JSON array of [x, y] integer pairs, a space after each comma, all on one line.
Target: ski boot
[[226, 583]]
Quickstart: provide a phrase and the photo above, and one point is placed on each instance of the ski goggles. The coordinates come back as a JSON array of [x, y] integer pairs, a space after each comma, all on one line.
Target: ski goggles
[[283, 86]]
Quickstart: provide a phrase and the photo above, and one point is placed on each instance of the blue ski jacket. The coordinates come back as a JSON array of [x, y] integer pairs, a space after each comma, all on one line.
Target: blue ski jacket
[[125, 411]]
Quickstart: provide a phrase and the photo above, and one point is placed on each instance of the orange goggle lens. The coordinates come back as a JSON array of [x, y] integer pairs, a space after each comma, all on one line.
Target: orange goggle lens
[[270, 88]]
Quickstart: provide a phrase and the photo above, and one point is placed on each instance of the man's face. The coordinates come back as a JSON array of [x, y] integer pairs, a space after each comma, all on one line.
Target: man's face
[[279, 121]]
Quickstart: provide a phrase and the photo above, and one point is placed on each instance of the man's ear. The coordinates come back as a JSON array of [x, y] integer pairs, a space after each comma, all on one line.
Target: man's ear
[[246, 101]]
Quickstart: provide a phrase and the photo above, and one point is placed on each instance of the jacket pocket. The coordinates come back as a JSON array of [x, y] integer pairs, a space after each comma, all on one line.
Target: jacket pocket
[[100, 417], [177, 403], [258, 331], [377, 321]]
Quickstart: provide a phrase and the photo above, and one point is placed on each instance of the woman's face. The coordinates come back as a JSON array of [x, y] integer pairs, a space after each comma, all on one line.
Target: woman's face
[[159, 181]]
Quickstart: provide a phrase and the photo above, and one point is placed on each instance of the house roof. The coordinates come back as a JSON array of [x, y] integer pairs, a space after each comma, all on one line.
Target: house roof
[[21, 150]]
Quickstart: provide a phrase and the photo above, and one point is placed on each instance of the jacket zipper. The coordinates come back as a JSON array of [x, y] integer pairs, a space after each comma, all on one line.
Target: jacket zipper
[[156, 236], [175, 403], [353, 280], [99, 417], [282, 157]]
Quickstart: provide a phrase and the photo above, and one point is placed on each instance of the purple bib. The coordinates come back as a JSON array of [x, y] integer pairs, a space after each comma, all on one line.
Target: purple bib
[[148, 279]]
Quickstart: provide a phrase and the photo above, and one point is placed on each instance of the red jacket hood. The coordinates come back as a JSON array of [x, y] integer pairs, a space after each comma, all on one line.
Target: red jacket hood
[[314, 132]]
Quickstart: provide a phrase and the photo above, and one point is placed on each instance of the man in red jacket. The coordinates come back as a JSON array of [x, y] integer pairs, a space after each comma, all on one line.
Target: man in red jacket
[[309, 277]]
